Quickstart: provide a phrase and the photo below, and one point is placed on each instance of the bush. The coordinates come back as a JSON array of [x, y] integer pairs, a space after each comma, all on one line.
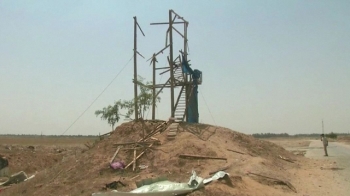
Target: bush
[[332, 135]]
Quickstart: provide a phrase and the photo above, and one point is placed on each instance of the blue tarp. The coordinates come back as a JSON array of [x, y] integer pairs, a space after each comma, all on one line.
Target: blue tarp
[[192, 110]]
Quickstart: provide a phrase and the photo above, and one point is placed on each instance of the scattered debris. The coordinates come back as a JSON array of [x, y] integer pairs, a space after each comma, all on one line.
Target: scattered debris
[[16, 178], [32, 176], [31, 147], [3, 162], [163, 187], [8, 147], [159, 129], [143, 166], [286, 159], [60, 150], [216, 176], [332, 168], [88, 145], [277, 180], [39, 185], [134, 177], [201, 157], [4, 169], [114, 184], [299, 152], [106, 134], [117, 165]]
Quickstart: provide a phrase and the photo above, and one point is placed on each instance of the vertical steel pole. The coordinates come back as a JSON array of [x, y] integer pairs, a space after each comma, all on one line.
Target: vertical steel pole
[[171, 63], [135, 68]]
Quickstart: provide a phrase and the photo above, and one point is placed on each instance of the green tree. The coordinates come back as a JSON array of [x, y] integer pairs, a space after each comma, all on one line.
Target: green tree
[[144, 99], [110, 113], [144, 102]]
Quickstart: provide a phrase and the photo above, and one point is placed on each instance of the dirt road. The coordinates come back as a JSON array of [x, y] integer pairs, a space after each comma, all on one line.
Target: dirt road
[[336, 151], [339, 154]]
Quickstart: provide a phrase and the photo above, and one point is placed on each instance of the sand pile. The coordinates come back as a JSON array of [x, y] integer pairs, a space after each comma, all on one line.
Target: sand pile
[[88, 171]]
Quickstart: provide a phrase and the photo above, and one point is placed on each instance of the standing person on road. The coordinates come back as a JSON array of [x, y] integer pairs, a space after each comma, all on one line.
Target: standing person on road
[[325, 144]]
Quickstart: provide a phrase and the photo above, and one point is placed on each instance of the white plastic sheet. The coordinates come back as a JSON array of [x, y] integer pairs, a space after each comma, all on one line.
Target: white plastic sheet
[[168, 188]]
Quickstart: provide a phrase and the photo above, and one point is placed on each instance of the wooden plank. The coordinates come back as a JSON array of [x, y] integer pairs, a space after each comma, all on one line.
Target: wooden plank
[[129, 143], [162, 68], [236, 151], [178, 33], [200, 157], [140, 28], [115, 154], [137, 148], [178, 16], [135, 177], [155, 131], [161, 88], [106, 134], [165, 23], [161, 51]]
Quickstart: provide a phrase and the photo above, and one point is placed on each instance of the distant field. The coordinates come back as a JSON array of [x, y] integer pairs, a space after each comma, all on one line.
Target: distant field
[[46, 140], [344, 139], [291, 142]]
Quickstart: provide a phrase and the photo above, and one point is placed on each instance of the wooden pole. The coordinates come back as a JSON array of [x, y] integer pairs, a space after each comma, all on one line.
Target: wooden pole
[[135, 68], [185, 75], [200, 157], [143, 152], [171, 63], [154, 88], [134, 164], [115, 154]]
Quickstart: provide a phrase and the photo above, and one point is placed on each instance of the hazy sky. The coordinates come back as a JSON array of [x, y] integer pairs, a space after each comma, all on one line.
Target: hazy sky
[[268, 66]]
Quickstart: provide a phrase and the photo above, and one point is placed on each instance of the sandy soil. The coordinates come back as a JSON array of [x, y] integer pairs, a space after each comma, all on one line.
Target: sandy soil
[[320, 175], [77, 170]]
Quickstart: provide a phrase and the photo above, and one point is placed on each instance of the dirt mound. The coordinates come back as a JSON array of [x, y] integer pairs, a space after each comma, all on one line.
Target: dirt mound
[[87, 172]]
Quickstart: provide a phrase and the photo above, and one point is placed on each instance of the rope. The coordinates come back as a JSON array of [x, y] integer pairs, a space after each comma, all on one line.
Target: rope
[[208, 108], [97, 97]]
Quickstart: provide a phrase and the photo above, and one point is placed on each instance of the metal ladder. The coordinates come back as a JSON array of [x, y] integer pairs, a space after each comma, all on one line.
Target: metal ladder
[[180, 107]]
